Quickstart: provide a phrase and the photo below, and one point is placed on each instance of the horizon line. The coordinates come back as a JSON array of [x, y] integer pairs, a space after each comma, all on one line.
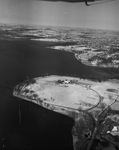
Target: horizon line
[[60, 26]]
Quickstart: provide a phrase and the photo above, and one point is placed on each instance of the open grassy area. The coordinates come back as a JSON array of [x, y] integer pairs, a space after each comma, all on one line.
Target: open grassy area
[[70, 92]]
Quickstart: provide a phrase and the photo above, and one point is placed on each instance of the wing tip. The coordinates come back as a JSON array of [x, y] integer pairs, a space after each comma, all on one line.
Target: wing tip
[[86, 3]]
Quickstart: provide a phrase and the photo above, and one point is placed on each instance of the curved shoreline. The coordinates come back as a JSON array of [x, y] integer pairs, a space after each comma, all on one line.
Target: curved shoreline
[[58, 84]]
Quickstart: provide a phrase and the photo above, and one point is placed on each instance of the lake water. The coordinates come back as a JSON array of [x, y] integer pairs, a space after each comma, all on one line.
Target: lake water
[[38, 128]]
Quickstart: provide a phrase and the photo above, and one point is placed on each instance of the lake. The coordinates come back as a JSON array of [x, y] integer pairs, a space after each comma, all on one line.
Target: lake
[[24, 125]]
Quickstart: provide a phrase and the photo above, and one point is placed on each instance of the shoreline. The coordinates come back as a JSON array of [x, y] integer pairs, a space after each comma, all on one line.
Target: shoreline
[[48, 92]]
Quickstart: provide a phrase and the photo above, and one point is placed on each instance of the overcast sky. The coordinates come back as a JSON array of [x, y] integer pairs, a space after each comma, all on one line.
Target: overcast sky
[[102, 16]]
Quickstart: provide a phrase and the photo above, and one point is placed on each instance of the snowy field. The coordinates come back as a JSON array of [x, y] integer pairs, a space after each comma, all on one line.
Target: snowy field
[[71, 92]]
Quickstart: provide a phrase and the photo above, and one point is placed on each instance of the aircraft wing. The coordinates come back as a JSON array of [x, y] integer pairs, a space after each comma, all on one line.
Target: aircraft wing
[[69, 1], [80, 1]]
